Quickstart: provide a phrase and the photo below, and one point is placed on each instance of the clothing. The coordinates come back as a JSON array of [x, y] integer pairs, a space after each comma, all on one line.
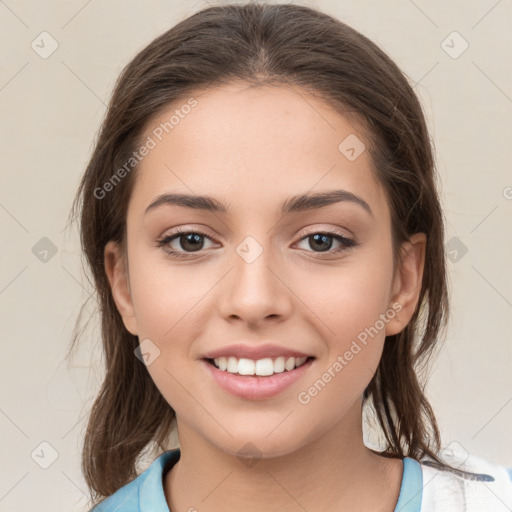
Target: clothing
[[423, 488]]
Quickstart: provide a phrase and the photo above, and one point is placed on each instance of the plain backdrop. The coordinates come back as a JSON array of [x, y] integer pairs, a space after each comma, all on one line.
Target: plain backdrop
[[457, 54]]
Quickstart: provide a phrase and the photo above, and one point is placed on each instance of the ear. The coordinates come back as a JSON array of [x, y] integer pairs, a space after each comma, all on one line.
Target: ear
[[117, 274], [407, 282]]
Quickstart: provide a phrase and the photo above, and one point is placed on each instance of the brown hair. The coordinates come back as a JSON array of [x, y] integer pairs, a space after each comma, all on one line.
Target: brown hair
[[289, 45]]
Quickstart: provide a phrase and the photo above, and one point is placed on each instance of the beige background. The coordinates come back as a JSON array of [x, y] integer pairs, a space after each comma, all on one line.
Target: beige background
[[51, 110]]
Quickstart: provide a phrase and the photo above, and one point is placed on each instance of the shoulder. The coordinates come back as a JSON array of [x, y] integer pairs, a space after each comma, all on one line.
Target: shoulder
[[143, 493], [490, 488]]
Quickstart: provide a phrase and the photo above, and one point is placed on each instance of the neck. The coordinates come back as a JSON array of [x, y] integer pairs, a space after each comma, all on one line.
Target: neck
[[335, 471]]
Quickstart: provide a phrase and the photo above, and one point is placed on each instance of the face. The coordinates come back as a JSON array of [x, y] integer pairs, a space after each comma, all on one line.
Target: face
[[317, 280]]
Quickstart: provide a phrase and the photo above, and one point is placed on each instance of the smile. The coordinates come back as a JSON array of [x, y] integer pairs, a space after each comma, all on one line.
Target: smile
[[261, 367], [252, 385]]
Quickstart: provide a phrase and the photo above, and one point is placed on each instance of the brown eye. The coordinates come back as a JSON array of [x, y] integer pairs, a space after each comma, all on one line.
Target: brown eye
[[185, 242], [190, 241], [320, 242], [323, 242]]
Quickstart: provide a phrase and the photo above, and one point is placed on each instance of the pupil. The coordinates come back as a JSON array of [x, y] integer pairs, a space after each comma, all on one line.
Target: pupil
[[319, 238], [194, 240]]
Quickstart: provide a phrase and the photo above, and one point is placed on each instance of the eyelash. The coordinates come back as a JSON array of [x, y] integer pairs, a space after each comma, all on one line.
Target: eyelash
[[163, 242]]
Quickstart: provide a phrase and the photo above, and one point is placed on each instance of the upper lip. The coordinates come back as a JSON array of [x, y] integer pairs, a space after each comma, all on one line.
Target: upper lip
[[255, 352]]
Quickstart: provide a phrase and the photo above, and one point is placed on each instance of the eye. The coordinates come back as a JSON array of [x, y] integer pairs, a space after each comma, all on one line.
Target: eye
[[193, 241], [322, 241], [190, 241]]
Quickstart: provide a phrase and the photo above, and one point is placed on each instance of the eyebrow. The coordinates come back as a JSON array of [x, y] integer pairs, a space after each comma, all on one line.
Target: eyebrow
[[298, 203]]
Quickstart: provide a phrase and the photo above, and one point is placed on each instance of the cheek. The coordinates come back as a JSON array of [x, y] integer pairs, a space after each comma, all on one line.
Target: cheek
[[167, 297], [351, 309], [169, 305], [348, 299], [352, 324]]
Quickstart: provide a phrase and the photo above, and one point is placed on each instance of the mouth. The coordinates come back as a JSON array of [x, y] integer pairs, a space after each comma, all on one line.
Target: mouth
[[256, 380], [258, 368]]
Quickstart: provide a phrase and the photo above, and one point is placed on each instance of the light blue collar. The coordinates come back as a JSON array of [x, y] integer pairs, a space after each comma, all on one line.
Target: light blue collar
[[411, 489]]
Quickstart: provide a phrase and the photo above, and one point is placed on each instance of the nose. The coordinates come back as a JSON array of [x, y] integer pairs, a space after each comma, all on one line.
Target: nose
[[255, 289]]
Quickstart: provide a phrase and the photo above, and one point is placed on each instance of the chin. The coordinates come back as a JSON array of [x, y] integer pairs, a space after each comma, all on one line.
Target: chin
[[249, 449]]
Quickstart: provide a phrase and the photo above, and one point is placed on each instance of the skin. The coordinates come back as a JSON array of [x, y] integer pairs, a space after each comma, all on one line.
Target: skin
[[253, 148]]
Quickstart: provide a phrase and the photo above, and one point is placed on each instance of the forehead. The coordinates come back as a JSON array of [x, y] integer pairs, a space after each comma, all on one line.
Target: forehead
[[253, 147]]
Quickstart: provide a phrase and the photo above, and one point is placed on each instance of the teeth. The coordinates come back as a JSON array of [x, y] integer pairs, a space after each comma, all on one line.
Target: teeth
[[261, 367]]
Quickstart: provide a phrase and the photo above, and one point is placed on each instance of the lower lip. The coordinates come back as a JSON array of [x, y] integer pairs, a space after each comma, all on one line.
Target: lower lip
[[254, 387]]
